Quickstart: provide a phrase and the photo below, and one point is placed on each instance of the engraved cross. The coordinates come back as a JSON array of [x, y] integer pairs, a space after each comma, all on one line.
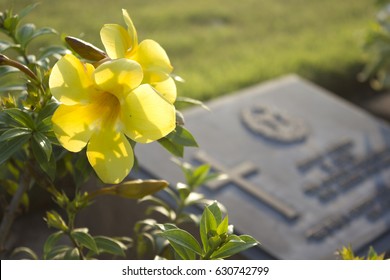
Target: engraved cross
[[237, 176]]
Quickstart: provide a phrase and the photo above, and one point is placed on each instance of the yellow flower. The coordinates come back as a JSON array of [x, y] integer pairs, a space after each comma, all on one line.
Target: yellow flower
[[122, 43], [101, 106]]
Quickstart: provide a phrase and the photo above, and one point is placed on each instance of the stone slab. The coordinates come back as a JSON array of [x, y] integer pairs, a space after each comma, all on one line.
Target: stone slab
[[307, 171]]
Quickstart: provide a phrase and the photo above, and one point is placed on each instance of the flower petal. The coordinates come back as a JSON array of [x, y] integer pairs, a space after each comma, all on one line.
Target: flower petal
[[154, 61], [146, 115], [167, 89], [130, 29], [73, 125], [111, 156], [70, 80], [116, 40], [119, 76]]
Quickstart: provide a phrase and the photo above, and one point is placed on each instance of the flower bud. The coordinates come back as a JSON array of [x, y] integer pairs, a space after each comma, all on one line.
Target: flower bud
[[54, 219]]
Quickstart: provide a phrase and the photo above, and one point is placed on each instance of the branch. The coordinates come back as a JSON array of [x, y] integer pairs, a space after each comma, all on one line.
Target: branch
[[10, 211]]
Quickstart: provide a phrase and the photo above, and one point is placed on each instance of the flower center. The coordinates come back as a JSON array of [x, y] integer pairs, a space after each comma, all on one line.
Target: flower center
[[108, 107]]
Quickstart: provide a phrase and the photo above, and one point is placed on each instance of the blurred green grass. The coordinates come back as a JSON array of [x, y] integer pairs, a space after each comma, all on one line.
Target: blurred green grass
[[219, 46]]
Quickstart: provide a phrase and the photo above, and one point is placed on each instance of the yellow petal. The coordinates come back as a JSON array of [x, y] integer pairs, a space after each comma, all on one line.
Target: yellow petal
[[71, 81], [167, 89], [154, 61], [111, 156], [130, 29], [146, 115], [73, 125], [119, 76], [116, 40]]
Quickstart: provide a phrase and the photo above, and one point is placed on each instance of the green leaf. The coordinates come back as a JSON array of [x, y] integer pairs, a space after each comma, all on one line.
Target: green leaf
[[10, 23], [172, 194], [147, 223], [194, 198], [25, 34], [179, 118], [57, 252], [125, 240], [41, 147], [166, 226], [214, 208], [110, 245], [45, 126], [198, 176], [26, 10], [170, 214], [192, 102], [6, 121], [80, 169], [208, 224], [183, 190], [145, 244], [4, 45], [347, 253], [21, 117], [177, 78], [5, 69], [72, 254], [373, 255], [8, 148], [182, 252], [28, 32], [85, 50], [43, 31], [11, 133], [234, 245], [42, 150], [175, 149], [223, 226], [24, 250], [50, 167], [133, 189], [50, 243], [183, 243], [188, 217], [155, 200], [182, 136], [85, 239], [13, 88]]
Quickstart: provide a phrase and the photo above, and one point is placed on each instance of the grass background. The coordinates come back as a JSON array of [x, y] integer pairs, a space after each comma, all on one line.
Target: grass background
[[219, 46]]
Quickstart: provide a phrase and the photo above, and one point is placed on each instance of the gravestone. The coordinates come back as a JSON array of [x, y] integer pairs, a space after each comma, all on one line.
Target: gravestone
[[307, 173]]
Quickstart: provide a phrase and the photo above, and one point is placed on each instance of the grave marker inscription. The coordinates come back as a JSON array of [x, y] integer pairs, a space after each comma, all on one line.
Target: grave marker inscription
[[306, 172]]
